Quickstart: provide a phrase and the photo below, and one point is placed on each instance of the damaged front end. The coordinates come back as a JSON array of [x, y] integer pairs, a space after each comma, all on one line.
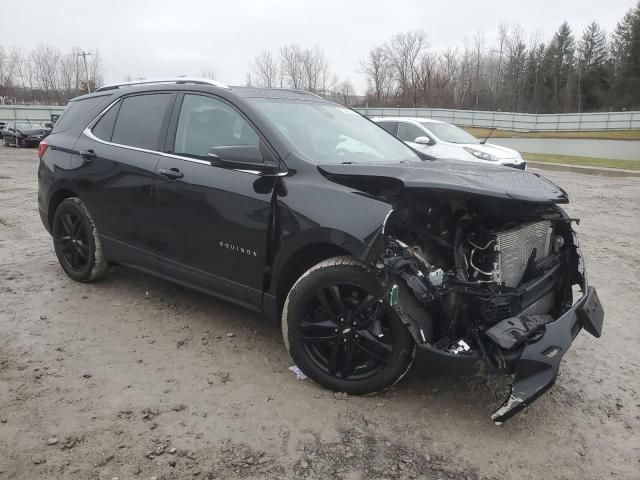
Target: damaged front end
[[486, 285]]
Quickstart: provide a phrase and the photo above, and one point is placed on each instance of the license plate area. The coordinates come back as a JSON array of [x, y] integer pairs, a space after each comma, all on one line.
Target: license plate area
[[591, 313]]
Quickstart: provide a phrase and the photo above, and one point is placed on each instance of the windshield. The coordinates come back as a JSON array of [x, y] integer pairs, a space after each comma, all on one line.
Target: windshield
[[329, 133], [27, 125], [449, 133]]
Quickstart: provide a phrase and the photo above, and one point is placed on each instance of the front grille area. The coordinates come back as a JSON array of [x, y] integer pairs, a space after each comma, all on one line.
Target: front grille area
[[519, 166], [516, 246]]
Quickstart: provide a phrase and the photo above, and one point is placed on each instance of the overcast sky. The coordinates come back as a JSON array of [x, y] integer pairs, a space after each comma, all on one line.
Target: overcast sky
[[162, 38]]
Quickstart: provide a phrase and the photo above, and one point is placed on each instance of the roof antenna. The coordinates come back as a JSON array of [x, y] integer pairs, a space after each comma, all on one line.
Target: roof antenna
[[490, 133]]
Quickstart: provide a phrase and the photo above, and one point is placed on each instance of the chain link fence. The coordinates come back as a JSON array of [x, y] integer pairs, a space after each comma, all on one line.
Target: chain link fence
[[34, 113], [519, 122]]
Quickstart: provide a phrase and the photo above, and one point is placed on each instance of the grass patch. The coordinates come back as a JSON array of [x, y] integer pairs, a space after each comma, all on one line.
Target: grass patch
[[584, 161], [608, 135]]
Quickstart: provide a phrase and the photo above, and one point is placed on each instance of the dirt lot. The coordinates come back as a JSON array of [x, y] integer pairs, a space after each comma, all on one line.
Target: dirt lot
[[134, 377]]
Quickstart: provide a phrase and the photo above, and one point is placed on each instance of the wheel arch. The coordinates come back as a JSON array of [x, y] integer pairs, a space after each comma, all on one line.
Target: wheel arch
[[56, 199], [298, 262]]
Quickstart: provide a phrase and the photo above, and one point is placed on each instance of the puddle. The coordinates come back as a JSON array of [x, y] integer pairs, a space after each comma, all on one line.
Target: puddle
[[599, 172]]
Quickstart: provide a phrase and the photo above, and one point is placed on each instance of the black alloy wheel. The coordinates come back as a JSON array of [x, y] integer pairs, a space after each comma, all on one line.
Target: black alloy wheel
[[342, 333], [76, 242], [346, 333]]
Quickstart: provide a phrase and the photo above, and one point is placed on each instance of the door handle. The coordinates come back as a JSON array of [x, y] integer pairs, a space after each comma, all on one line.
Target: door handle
[[171, 173], [87, 155]]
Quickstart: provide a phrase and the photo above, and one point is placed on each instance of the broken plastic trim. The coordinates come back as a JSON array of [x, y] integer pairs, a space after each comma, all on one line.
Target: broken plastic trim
[[537, 368]]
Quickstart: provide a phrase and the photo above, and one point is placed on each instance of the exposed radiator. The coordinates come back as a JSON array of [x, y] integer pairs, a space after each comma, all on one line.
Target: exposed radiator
[[514, 248]]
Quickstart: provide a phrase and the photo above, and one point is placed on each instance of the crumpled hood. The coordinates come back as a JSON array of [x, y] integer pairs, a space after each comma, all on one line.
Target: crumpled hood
[[33, 131], [488, 180]]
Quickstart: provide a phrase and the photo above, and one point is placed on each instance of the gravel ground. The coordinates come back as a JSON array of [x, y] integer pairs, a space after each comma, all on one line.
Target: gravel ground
[[134, 377]]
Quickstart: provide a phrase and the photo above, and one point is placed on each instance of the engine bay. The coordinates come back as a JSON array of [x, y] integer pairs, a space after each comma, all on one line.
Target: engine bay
[[477, 277]]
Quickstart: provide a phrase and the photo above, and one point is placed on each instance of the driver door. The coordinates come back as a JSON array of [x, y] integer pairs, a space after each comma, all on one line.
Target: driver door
[[213, 222]]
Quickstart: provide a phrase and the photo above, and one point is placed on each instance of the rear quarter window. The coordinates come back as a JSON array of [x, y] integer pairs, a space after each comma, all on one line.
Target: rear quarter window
[[78, 111], [104, 128], [140, 119]]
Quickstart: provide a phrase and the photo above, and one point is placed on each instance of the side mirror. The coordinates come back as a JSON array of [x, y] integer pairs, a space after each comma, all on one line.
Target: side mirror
[[241, 157], [424, 141]]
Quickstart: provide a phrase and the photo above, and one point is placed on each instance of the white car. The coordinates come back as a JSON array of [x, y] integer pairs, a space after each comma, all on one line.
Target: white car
[[443, 140]]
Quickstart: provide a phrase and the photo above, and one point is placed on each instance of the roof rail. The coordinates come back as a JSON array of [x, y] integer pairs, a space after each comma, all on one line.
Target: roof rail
[[177, 81]]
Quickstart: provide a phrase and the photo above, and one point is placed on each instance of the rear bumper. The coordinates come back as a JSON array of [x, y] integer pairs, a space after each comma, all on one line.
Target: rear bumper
[[45, 219]]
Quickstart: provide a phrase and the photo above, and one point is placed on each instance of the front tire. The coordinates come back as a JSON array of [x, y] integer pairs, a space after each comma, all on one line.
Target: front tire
[[341, 332], [76, 242]]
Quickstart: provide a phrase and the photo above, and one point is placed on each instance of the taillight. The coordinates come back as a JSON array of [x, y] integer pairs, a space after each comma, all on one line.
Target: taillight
[[42, 147]]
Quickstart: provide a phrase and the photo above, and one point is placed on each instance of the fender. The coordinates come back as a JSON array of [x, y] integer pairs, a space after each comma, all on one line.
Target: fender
[[312, 211]]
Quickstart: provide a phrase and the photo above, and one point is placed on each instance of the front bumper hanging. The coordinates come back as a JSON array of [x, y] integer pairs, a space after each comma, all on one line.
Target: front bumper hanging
[[537, 368]]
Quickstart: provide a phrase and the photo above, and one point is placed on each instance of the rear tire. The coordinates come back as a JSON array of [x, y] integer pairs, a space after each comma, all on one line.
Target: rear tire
[[76, 242], [341, 333]]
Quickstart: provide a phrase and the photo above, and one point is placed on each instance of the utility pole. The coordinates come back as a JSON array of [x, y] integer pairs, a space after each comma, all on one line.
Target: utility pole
[[86, 69]]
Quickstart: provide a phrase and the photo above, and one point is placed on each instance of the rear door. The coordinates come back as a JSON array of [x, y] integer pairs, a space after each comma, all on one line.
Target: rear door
[[116, 160], [213, 222]]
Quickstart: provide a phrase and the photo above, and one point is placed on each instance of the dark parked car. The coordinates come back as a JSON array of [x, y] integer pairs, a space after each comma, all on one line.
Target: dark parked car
[[24, 133], [372, 256]]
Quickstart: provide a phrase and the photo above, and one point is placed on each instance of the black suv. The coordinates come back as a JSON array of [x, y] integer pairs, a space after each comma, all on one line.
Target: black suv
[[373, 256]]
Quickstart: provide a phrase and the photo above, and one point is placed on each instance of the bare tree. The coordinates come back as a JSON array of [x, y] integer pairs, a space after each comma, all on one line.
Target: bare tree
[[402, 52], [344, 92], [379, 74], [265, 70], [478, 48], [208, 73], [291, 65]]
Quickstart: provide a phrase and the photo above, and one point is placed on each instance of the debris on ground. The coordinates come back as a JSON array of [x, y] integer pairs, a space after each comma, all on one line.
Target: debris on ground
[[298, 372]]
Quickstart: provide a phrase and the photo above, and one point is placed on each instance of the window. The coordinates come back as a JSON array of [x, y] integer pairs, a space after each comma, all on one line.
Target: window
[[409, 133], [205, 122], [27, 125], [390, 127], [324, 132], [104, 128], [450, 133], [76, 110], [140, 119]]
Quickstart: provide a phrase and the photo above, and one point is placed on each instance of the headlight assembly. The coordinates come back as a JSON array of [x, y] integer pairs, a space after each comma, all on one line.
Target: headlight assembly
[[481, 155]]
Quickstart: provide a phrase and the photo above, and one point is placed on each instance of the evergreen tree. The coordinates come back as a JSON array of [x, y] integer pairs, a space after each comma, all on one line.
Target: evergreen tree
[[533, 88], [621, 42], [633, 67], [593, 74]]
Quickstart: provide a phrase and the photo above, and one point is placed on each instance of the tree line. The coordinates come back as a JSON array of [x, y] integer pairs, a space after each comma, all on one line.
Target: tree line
[[302, 69], [513, 72], [593, 72], [46, 75]]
